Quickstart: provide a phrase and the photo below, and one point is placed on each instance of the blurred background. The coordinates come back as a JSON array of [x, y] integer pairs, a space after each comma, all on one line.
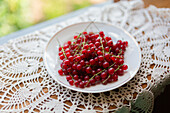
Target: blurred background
[[19, 14]]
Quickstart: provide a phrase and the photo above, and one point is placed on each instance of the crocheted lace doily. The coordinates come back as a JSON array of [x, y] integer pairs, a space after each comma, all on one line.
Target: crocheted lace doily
[[25, 85]]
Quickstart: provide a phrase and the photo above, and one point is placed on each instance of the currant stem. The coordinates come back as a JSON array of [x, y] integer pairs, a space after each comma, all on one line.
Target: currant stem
[[102, 45], [120, 51], [64, 52], [118, 67], [106, 79]]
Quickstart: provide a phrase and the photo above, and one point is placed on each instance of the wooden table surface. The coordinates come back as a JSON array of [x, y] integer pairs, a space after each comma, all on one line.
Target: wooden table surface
[[157, 3]]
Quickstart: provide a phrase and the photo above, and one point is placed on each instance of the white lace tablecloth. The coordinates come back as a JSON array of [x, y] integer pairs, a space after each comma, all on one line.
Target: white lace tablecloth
[[26, 86]]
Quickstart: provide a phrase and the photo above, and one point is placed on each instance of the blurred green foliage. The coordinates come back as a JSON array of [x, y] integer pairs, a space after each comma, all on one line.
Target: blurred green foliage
[[19, 14]]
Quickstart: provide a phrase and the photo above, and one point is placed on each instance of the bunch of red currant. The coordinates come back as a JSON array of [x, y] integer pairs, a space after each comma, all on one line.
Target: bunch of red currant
[[92, 58]]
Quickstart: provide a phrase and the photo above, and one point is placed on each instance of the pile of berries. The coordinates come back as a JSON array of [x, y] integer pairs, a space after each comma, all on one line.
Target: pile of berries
[[92, 58]]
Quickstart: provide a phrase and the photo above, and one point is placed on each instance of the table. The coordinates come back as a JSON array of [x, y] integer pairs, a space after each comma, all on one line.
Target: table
[[25, 85]]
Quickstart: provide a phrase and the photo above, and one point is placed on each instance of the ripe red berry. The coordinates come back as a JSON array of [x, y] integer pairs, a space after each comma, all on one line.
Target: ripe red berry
[[78, 58], [71, 58], [103, 75], [108, 38], [60, 71], [115, 77], [92, 81], [106, 49], [101, 33], [105, 64], [81, 84], [60, 48], [76, 77], [92, 62], [101, 58], [84, 51], [68, 77], [111, 71], [76, 83], [60, 53], [99, 52], [86, 46], [120, 61], [97, 44], [88, 69], [82, 62], [110, 43], [84, 32], [86, 78], [69, 42], [124, 67], [62, 57], [75, 37], [107, 56], [79, 66], [71, 82]]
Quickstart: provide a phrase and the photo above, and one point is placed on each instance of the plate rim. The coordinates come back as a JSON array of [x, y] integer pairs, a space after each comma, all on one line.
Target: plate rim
[[82, 90]]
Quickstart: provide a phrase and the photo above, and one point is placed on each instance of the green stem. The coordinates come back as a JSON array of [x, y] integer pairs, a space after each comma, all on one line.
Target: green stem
[[83, 46], [118, 67], [120, 51], [64, 52], [106, 79], [102, 45]]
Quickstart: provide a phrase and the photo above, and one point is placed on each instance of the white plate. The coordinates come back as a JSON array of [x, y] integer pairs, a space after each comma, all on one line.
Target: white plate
[[132, 54]]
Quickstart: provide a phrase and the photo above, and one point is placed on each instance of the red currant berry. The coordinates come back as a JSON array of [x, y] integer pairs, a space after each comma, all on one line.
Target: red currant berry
[[99, 52], [60, 71], [74, 72], [84, 51], [71, 82], [76, 83], [107, 49], [115, 77], [69, 42], [108, 38], [101, 33], [88, 70], [75, 37], [110, 43], [78, 58], [87, 83], [79, 66], [86, 46], [62, 57], [76, 77], [92, 81], [68, 77], [92, 62], [103, 75], [111, 71], [124, 67], [71, 58], [60, 48], [97, 44], [84, 32], [101, 58], [82, 62], [86, 78], [60, 53], [105, 64], [120, 61], [81, 84]]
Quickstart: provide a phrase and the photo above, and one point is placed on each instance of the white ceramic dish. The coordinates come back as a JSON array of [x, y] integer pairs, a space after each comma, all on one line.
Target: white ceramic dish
[[132, 54]]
